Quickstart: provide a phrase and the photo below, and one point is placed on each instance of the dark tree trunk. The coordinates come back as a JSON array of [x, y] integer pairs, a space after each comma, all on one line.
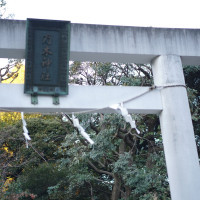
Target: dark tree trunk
[[117, 180], [116, 188]]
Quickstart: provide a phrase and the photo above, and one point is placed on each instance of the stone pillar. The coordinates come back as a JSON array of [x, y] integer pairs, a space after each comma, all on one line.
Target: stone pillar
[[177, 129]]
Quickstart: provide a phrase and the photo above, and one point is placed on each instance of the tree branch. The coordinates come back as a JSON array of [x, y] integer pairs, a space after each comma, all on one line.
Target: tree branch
[[99, 170]]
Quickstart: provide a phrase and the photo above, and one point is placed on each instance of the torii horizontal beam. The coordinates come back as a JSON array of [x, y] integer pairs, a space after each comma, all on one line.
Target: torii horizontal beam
[[83, 98], [105, 43]]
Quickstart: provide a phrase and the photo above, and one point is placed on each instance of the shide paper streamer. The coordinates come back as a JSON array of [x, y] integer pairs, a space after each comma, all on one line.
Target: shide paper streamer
[[127, 117], [25, 133], [81, 129]]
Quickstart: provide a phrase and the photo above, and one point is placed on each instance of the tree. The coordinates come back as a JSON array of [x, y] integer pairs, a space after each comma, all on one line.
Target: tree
[[22, 163], [131, 166], [121, 160], [192, 78], [121, 165], [15, 76], [11, 70], [2, 8]]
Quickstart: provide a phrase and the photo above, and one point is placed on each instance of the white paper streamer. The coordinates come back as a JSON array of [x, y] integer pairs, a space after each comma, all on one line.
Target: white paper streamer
[[64, 119], [25, 133], [124, 113], [81, 129]]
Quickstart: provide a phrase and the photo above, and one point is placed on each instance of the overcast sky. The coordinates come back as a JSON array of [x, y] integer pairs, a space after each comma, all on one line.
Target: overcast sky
[[155, 13]]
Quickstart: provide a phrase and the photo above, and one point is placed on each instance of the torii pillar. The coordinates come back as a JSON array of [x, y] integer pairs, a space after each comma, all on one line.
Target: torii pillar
[[177, 129]]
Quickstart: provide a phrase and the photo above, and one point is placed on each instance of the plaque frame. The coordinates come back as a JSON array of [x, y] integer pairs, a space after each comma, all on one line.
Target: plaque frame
[[47, 57]]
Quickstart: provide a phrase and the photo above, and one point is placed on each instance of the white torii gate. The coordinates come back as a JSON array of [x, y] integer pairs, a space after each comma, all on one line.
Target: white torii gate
[[166, 49]]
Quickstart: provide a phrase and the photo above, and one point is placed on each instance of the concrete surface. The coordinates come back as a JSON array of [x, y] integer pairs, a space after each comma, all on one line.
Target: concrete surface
[[82, 98], [111, 43], [177, 130]]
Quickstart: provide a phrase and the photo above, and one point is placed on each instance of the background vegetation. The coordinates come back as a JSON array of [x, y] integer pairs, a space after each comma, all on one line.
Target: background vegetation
[[60, 164]]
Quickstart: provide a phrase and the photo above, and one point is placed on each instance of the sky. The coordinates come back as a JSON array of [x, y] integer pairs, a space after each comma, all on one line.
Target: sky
[[154, 13]]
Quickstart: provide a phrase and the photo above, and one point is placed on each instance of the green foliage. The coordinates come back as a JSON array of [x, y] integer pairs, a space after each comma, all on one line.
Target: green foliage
[[37, 180], [94, 73], [3, 10], [100, 162], [47, 134], [60, 164], [150, 179], [2, 7], [192, 78]]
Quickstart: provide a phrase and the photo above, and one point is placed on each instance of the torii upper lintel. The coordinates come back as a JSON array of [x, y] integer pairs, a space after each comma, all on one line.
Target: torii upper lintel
[[105, 43]]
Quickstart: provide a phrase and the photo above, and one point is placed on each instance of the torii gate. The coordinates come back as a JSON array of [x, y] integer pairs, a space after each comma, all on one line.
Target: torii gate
[[166, 49]]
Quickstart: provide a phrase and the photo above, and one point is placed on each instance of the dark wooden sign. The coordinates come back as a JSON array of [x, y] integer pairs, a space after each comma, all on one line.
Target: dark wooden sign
[[47, 57]]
